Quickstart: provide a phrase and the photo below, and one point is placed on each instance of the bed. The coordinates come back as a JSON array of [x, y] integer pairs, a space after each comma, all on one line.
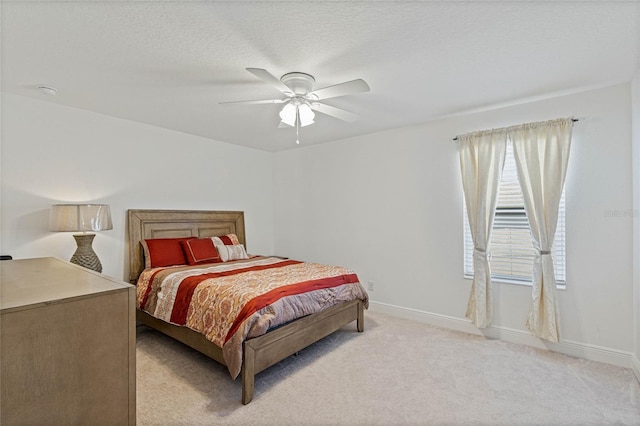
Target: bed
[[256, 352]]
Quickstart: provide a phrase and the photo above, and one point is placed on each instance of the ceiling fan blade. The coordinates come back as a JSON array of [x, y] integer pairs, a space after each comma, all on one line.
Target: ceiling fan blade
[[283, 125], [264, 101], [342, 89], [271, 79], [332, 111]]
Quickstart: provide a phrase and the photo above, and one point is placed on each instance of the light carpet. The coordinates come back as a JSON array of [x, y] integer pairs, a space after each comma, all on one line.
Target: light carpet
[[397, 372]]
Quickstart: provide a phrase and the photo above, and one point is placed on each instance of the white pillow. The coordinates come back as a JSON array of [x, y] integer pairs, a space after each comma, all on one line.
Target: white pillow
[[234, 252], [226, 239]]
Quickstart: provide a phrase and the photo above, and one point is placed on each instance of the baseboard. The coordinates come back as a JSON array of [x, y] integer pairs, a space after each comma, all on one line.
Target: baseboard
[[636, 366], [567, 347]]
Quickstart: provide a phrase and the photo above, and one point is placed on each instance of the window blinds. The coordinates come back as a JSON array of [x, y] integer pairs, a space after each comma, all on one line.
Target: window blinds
[[511, 249]]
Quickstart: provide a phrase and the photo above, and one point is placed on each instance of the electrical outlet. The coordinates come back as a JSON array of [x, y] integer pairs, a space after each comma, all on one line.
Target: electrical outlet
[[371, 286]]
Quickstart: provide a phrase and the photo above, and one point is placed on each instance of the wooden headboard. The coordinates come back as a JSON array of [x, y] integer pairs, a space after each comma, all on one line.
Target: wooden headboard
[[145, 224]]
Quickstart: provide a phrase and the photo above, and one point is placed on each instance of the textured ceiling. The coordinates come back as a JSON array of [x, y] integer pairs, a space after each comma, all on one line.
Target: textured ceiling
[[169, 64]]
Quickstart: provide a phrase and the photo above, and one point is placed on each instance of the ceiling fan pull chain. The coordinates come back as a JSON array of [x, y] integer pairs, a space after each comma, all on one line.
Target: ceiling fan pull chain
[[297, 126]]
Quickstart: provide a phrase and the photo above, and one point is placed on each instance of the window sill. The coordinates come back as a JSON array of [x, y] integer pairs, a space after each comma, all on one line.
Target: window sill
[[559, 286]]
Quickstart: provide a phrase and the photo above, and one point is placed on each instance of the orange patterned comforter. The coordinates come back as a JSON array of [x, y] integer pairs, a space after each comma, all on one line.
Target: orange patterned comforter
[[230, 302]]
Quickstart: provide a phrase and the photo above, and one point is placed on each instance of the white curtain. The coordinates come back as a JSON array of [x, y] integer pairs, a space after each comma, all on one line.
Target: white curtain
[[481, 162], [541, 152]]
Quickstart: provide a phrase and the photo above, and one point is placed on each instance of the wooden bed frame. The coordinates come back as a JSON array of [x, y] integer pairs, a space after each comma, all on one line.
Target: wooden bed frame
[[260, 352]]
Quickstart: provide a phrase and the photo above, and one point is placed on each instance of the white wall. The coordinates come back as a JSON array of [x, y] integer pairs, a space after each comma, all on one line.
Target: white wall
[[389, 205], [636, 222], [56, 154]]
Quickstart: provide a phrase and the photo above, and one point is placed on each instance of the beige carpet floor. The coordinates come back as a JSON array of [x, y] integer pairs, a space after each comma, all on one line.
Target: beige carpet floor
[[397, 372]]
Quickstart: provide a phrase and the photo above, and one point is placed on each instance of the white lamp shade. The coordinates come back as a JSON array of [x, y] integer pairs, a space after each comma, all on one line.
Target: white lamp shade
[[306, 115], [80, 217], [288, 114]]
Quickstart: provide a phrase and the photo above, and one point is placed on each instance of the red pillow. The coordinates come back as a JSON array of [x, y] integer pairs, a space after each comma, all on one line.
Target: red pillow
[[200, 251], [164, 252]]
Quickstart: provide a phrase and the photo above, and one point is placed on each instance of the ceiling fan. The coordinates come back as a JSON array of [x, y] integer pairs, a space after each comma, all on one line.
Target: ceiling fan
[[301, 100]]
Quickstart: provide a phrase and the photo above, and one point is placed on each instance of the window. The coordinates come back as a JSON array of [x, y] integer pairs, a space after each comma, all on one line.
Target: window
[[511, 250]]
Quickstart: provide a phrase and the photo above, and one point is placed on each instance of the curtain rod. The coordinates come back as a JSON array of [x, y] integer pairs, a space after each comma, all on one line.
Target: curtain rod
[[573, 119]]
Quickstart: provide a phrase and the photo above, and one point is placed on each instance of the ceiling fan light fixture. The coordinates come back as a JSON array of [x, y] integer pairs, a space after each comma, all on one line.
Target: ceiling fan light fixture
[[306, 115], [301, 100], [288, 114]]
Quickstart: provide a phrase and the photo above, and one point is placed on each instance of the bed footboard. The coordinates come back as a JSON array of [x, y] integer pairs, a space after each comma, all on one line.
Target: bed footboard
[[264, 351]]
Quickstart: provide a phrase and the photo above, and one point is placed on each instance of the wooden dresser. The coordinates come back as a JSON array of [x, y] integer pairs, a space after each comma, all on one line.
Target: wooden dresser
[[67, 345]]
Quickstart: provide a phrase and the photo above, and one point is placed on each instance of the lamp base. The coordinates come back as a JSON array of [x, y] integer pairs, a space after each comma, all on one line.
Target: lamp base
[[84, 255]]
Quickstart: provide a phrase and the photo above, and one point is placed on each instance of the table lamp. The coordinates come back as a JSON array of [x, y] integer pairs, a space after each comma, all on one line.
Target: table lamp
[[82, 218]]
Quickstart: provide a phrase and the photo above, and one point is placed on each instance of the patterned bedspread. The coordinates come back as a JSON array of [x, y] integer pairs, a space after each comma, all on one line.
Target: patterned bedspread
[[233, 301]]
